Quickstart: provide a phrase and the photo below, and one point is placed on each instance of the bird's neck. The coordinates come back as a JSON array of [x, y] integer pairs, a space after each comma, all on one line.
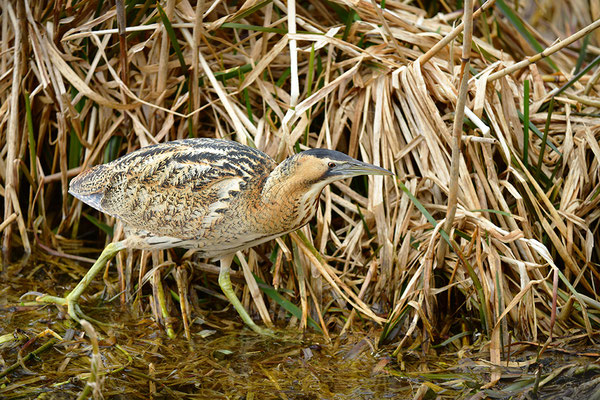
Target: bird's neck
[[288, 199]]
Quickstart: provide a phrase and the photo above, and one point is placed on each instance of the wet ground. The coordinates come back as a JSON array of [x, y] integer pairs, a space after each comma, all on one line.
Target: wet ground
[[45, 355]]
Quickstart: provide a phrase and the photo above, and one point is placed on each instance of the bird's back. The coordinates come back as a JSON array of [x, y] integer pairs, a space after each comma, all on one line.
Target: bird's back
[[187, 189]]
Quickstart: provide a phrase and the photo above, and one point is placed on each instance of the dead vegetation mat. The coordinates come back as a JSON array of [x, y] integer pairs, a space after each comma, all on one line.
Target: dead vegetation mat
[[82, 83]]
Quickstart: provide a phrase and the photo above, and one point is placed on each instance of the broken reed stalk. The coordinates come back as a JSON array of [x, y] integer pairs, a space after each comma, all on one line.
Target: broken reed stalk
[[295, 85], [12, 130], [35, 354], [388, 31], [457, 128], [561, 44], [454, 33], [288, 119]]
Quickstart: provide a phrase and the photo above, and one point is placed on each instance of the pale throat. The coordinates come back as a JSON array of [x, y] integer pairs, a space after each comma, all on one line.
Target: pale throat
[[293, 202]]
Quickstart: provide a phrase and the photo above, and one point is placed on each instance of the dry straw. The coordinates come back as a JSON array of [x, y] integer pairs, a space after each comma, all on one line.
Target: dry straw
[[381, 83]]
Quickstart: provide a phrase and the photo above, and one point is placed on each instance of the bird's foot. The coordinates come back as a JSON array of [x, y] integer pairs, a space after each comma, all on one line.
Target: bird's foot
[[71, 303], [262, 331]]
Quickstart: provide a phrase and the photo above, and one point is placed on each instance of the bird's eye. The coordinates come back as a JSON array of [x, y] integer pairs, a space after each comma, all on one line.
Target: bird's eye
[[331, 165]]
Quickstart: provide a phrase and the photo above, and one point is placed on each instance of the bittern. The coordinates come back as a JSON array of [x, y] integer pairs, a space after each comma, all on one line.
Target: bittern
[[215, 196]]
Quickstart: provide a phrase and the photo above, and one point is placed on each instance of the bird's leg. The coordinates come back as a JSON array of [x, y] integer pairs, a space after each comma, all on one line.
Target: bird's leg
[[71, 299], [226, 287]]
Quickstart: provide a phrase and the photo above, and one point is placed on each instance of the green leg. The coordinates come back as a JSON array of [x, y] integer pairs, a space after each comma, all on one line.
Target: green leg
[[226, 287], [71, 299]]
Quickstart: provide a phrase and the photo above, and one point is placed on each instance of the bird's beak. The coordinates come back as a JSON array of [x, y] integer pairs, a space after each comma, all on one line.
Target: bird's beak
[[356, 168]]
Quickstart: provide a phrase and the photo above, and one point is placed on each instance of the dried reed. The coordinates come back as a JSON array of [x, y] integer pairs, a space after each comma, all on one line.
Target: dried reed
[[83, 83]]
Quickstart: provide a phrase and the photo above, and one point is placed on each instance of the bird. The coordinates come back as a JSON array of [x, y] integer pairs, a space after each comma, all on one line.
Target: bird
[[215, 196]]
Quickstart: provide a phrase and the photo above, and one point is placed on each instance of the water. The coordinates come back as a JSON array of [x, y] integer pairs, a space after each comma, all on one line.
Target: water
[[224, 360]]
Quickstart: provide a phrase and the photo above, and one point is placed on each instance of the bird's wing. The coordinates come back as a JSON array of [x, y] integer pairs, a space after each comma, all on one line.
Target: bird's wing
[[177, 188]]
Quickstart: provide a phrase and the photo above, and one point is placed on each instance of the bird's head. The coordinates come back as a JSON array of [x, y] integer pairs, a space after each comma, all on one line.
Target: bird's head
[[321, 167], [311, 170], [294, 185]]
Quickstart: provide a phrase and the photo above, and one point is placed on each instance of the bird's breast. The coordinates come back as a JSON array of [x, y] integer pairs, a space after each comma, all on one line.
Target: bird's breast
[[289, 208]]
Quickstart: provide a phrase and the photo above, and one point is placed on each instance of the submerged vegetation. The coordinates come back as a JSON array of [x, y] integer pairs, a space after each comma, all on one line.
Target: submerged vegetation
[[485, 251]]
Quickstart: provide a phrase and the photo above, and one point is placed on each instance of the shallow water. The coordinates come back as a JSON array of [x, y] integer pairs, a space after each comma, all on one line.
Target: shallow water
[[138, 360]]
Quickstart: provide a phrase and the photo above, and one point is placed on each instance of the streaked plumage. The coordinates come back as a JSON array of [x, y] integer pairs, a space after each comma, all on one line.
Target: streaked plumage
[[186, 193], [216, 196], [213, 195]]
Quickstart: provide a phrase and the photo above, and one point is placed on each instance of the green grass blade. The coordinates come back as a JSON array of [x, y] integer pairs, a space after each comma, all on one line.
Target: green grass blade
[[311, 71], [539, 133], [172, 36], [284, 303], [485, 27], [75, 147], [515, 20], [485, 317], [99, 224], [526, 123], [500, 212], [286, 73], [233, 72], [578, 76], [256, 28], [582, 53], [452, 339], [31, 137], [424, 211], [390, 329], [112, 149], [246, 96], [349, 20], [252, 9]]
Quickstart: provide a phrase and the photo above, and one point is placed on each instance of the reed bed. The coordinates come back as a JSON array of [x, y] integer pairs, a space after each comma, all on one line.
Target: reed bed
[[514, 259]]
